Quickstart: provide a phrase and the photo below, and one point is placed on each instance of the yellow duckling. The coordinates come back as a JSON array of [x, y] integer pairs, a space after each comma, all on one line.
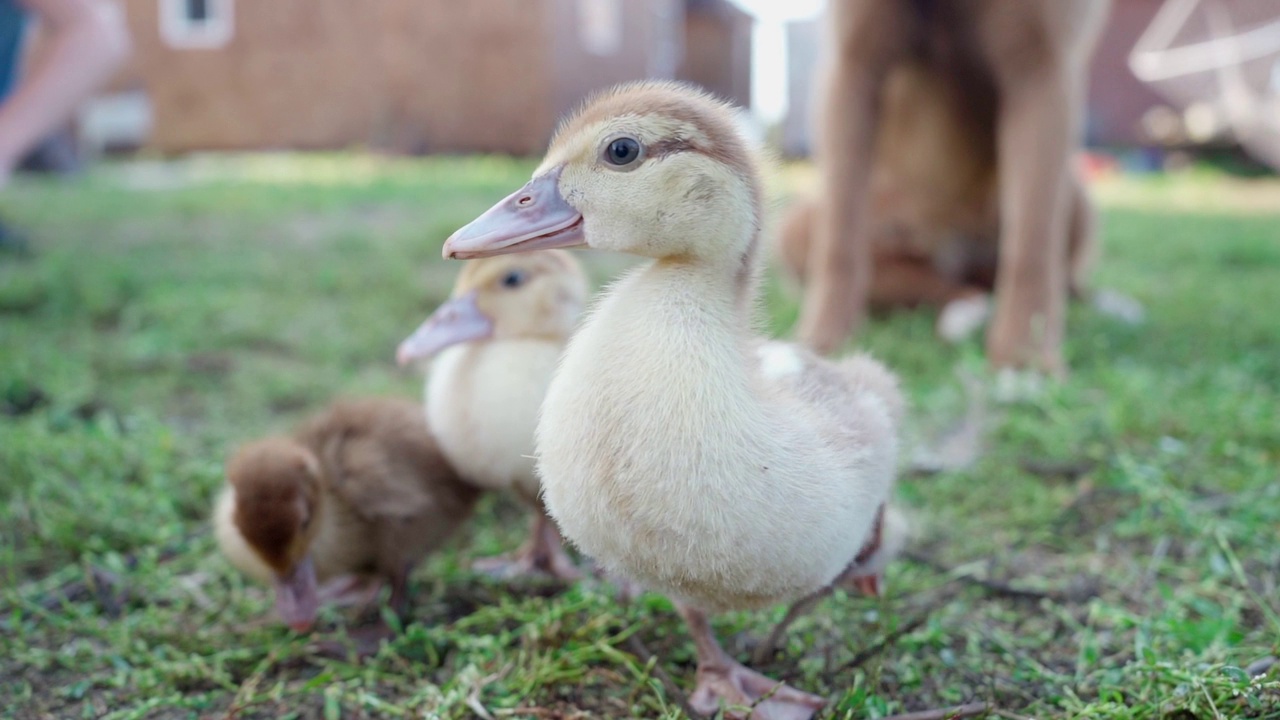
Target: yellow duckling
[[496, 344], [675, 447]]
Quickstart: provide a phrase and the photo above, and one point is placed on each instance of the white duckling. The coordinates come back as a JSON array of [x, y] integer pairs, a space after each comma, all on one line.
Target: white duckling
[[497, 342], [674, 447]]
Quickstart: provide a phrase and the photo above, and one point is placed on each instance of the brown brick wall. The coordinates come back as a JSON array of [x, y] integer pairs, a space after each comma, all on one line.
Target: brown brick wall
[[415, 76], [409, 75]]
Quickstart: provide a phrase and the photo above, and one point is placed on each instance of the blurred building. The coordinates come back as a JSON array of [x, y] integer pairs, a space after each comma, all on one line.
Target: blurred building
[[717, 49], [1118, 101], [804, 42], [416, 76]]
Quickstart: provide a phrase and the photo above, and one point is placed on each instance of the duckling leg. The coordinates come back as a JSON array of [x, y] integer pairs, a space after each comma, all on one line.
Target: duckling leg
[[744, 693], [399, 600], [548, 550], [798, 609], [543, 554], [862, 575], [363, 642], [350, 590], [626, 589], [868, 585]]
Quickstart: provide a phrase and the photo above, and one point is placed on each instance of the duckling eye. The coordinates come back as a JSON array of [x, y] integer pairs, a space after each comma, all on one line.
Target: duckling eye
[[622, 151], [513, 279]]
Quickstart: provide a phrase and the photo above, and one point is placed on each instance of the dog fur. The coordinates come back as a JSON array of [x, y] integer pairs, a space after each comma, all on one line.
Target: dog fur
[[946, 143]]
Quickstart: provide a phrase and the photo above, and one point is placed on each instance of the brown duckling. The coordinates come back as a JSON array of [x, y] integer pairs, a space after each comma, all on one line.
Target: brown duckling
[[356, 496]]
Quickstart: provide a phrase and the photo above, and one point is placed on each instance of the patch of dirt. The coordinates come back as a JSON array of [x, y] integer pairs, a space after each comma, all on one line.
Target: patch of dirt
[[22, 399], [212, 364], [288, 404]]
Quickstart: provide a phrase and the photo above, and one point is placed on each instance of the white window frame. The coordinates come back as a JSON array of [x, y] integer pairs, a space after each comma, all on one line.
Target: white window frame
[[180, 31]]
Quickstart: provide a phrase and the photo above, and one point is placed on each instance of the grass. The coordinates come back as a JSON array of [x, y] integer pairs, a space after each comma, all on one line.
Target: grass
[[1112, 555]]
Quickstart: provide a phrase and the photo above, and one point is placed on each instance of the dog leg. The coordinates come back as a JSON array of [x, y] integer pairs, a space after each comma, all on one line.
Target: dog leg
[[1035, 137], [1082, 238], [1039, 57], [866, 38]]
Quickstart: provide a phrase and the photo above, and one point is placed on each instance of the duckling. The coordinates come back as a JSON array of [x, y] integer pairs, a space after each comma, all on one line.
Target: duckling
[[357, 495], [675, 447], [496, 344]]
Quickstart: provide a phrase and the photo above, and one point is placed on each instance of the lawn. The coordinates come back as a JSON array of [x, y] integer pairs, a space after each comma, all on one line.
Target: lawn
[[1112, 554]]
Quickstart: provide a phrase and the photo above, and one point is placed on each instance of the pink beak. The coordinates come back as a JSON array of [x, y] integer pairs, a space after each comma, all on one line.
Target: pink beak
[[535, 217], [458, 320], [296, 596]]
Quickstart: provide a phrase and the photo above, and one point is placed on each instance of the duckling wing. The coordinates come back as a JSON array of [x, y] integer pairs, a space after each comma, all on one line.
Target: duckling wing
[[377, 482], [395, 479], [853, 391], [380, 459]]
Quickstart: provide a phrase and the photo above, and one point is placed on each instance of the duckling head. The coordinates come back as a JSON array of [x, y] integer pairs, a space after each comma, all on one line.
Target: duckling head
[[534, 296], [654, 169], [277, 495]]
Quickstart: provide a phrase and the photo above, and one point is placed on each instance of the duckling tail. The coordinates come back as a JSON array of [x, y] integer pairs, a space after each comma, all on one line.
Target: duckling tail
[[864, 372]]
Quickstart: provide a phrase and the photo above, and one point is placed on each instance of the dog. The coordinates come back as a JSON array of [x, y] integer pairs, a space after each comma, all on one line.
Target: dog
[[946, 139]]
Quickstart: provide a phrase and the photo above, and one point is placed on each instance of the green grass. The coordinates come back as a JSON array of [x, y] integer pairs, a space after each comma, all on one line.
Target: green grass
[[169, 312]]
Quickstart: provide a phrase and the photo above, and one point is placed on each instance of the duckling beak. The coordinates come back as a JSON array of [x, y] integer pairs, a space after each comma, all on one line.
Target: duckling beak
[[296, 596], [458, 320], [535, 217]]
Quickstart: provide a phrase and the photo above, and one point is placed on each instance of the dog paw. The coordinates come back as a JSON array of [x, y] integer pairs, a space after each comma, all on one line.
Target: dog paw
[[1017, 386], [963, 317], [1119, 306]]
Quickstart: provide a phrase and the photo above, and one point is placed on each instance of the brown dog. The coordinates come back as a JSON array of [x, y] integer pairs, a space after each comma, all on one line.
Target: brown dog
[[946, 143]]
